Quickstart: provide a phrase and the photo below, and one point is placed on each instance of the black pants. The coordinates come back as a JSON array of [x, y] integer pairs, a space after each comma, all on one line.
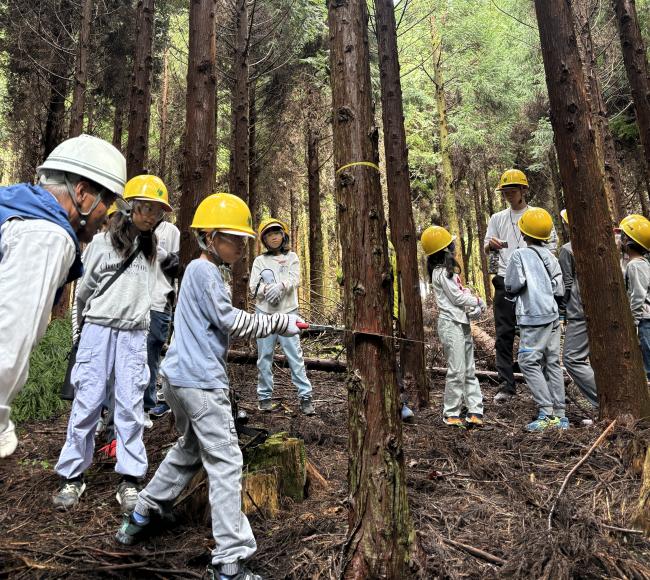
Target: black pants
[[504, 322]]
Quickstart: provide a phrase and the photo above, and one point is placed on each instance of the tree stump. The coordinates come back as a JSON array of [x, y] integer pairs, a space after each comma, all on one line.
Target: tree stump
[[261, 493]]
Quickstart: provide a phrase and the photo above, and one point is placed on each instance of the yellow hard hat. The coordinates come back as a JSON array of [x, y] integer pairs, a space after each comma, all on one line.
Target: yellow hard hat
[[565, 216], [225, 212], [536, 223], [637, 228], [512, 177], [434, 239], [148, 188], [270, 222], [111, 210]]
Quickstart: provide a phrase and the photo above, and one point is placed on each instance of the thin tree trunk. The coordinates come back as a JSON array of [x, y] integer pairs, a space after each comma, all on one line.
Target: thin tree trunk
[[254, 169], [380, 533], [164, 112], [449, 206], [402, 225], [615, 353], [55, 111], [636, 67], [489, 191], [605, 141], [140, 98], [239, 161], [481, 226], [293, 216], [316, 267], [199, 152], [81, 71], [118, 127]]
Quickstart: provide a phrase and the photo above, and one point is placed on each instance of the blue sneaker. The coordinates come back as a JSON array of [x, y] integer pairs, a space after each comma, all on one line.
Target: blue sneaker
[[407, 414], [133, 529], [542, 423], [159, 410], [563, 424]]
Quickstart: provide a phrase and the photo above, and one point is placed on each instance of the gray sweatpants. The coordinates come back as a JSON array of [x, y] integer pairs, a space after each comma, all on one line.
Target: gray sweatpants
[[208, 437], [576, 359], [539, 361], [102, 350], [461, 385]]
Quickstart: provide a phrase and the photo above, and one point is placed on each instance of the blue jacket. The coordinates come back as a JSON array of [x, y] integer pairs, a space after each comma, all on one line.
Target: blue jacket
[[31, 202]]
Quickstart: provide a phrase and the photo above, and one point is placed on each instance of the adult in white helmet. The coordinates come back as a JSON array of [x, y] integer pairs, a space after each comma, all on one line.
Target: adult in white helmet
[[41, 227]]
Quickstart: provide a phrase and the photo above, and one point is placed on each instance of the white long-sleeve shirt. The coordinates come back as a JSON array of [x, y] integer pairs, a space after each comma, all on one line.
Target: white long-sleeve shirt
[[637, 282], [452, 298], [279, 268]]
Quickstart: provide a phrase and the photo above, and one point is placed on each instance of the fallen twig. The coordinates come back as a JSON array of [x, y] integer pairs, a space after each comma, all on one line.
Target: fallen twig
[[584, 458], [475, 552]]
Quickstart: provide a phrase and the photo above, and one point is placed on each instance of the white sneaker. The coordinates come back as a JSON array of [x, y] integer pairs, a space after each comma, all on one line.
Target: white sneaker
[[101, 427], [148, 423], [8, 440], [127, 495], [68, 495]]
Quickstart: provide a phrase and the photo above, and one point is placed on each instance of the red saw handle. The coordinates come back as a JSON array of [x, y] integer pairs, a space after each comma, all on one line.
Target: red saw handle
[[302, 325]]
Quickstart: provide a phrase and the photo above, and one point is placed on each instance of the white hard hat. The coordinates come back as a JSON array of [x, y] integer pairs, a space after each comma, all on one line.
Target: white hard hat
[[91, 158]]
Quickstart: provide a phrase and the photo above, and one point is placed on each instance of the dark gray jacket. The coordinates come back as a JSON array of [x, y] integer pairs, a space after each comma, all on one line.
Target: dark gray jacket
[[572, 298]]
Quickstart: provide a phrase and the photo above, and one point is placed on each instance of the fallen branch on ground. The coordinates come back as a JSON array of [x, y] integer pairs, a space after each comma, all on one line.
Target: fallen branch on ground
[[475, 552]]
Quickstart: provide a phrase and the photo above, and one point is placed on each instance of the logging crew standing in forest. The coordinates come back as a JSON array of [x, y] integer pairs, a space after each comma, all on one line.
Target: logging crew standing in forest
[[195, 383], [534, 277], [274, 281], [576, 340], [113, 302], [635, 245], [504, 237], [40, 230], [455, 307]]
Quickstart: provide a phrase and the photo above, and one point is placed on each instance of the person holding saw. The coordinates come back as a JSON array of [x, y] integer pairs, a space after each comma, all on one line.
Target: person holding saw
[[274, 282]]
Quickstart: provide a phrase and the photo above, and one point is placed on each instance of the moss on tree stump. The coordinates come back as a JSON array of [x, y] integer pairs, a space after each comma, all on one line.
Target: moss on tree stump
[[261, 493], [286, 455]]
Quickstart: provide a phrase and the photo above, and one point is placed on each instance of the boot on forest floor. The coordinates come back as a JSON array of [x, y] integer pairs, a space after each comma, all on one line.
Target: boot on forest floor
[[242, 573], [307, 406], [474, 420], [505, 393], [266, 405], [454, 422]]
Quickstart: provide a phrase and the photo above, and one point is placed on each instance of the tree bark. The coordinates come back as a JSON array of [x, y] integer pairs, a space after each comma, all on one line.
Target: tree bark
[[449, 206], [118, 127], [199, 152], [81, 71], [605, 141], [636, 67], [239, 159], [164, 112], [615, 353], [402, 225], [253, 168], [316, 266], [140, 97], [481, 226], [380, 532], [55, 111]]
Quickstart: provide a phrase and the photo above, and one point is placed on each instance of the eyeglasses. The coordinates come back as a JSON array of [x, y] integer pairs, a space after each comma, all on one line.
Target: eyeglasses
[[149, 209]]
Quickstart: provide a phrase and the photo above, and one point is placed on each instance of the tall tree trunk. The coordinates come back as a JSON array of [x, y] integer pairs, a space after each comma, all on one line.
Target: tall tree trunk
[[481, 226], [55, 111], [379, 524], [636, 67], [293, 216], [238, 175], [140, 97], [253, 167], [615, 353], [81, 71], [118, 127], [605, 141], [164, 112], [449, 206], [199, 152], [400, 204], [316, 267], [489, 190]]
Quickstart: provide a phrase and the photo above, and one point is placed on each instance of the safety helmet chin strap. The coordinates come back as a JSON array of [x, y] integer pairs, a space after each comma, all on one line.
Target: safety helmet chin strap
[[73, 197], [201, 238]]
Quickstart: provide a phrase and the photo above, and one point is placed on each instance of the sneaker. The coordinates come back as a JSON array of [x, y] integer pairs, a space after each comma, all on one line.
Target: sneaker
[[407, 415], [8, 440], [453, 422], [127, 495], [266, 405], [563, 424], [108, 451], [69, 493], [148, 423], [132, 531], [504, 394], [306, 406], [159, 410], [242, 574], [474, 420], [542, 423], [101, 427]]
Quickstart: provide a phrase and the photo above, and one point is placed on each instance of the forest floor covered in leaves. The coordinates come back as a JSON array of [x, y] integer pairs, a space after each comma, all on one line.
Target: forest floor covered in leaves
[[489, 490]]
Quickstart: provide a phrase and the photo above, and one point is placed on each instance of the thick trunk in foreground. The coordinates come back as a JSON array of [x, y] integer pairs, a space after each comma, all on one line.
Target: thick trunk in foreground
[[238, 175], [380, 533], [402, 226], [140, 97], [316, 267], [199, 152], [636, 67], [81, 71], [615, 353]]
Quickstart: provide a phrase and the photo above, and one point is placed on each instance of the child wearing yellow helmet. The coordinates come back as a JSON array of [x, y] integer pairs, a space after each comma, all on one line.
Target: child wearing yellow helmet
[[534, 277], [195, 383], [274, 282], [635, 245], [456, 305]]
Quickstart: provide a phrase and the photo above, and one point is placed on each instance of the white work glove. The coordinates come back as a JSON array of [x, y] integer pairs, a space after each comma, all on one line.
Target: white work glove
[[475, 312], [273, 293], [161, 253], [292, 327]]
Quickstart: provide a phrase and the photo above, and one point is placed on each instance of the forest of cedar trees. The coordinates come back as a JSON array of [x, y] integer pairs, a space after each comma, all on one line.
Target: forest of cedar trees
[[359, 125]]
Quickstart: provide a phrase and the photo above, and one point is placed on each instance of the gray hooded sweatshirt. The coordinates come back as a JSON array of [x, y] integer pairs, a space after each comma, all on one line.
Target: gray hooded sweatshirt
[[126, 304], [572, 298], [535, 277]]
